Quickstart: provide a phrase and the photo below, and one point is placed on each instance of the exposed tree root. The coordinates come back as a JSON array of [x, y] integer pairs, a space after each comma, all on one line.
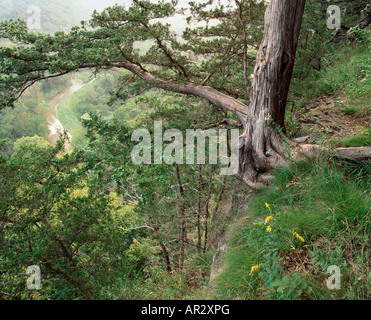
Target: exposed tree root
[[255, 168], [258, 156], [359, 154]]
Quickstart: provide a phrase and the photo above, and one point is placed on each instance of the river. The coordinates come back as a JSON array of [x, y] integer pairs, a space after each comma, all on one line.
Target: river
[[54, 124]]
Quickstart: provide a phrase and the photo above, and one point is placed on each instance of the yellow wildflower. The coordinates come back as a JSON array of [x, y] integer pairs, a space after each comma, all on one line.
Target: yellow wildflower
[[299, 237], [269, 228], [254, 268], [267, 205], [267, 219]]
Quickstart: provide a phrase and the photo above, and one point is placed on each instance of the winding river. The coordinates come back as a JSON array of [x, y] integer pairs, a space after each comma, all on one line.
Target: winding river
[[54, 124]]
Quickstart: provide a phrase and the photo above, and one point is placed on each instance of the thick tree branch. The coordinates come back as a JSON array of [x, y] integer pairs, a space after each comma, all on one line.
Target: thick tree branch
[[359, 154], [215, 97]]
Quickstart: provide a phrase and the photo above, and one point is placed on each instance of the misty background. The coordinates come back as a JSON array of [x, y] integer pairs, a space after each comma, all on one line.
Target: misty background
[[61, 15]]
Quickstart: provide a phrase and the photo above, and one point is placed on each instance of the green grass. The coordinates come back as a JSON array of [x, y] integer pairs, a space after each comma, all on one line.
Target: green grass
[[71, 122], [328, 205], [348, 72], [351, 75], [67, 116], [360, 139]]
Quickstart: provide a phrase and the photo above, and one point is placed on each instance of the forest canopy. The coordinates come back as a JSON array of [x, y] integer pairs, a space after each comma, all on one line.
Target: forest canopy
[[102, 227]]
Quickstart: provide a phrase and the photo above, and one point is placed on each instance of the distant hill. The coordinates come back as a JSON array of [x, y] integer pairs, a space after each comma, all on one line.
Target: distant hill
[[61, 15], [55, 15], [99, 5]]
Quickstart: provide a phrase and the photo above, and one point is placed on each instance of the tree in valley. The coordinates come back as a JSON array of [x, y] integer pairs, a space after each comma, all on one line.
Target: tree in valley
[[54, 216]]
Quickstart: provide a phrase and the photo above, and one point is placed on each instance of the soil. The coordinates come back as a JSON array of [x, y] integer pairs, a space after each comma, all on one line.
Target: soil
[[324, 116]]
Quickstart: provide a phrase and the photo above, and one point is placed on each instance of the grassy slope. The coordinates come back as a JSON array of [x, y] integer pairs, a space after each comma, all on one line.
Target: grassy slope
[[327, 204], [347, 71], [350, 75]]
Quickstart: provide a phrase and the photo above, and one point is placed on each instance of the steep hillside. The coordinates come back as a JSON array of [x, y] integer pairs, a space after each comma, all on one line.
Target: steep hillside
[[123, 211], [316, 214]]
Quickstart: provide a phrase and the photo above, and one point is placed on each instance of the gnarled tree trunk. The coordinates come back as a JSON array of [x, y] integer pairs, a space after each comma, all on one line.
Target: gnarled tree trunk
[[260, 146]]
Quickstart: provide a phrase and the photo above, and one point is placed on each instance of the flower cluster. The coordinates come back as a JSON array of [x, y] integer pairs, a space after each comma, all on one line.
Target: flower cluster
[[299, 237], [254, 268], [267, 219]]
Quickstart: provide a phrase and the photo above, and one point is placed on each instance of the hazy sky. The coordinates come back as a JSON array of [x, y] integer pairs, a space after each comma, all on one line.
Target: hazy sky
[[178, 22], [101, 4]]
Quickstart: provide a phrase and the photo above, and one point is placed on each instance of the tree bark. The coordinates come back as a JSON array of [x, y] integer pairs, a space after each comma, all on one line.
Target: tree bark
[[183, 225], [166, 256], [214, 96], [260, 146], [355, 154], [207, 214], [165, 252], [199, 207]]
